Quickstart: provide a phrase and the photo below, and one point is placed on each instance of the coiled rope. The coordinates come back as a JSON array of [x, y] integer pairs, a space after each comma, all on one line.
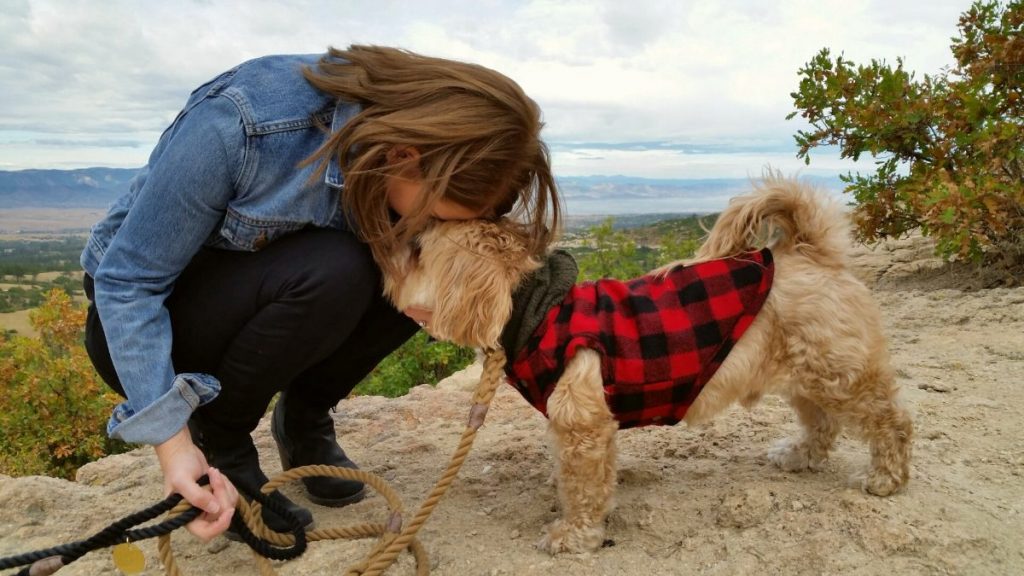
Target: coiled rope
[[48, 561], [267, 544]]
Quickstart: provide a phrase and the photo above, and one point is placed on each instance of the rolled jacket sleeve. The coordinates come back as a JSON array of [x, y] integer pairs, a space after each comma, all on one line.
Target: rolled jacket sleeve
[[169, 412], [191, 176]]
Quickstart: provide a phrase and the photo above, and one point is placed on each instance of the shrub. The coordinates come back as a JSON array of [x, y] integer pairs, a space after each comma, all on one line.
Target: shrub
[[949, 149], [612, 253], [419, 361], [53, 407], [624, 254]]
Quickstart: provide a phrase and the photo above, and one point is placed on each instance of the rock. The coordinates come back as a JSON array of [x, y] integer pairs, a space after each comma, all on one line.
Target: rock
[[465, 379]]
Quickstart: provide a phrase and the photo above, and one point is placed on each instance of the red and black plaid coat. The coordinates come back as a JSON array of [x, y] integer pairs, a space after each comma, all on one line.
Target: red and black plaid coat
[[660, 339]]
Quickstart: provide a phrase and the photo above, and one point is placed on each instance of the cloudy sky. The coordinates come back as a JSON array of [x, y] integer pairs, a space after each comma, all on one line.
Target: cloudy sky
[[650, 88]]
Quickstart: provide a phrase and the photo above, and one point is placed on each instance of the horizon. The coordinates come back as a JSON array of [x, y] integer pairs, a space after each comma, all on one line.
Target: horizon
[[583, 196]]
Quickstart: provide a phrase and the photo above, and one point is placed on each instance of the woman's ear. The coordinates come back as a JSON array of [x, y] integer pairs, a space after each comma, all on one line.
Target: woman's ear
[[403, 154]]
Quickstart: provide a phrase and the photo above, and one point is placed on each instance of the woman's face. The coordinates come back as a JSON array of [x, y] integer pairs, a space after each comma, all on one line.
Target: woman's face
[[404, 193], [404, 190]]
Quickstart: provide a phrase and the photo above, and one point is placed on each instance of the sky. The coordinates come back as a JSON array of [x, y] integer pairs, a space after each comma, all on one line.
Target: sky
[[643, 88]]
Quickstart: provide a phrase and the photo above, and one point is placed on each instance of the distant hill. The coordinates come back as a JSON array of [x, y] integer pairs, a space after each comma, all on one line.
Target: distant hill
[[85, 188], [586, 197]]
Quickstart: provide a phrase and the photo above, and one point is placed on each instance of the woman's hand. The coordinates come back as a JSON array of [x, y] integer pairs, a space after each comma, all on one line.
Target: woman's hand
[[182, 463]]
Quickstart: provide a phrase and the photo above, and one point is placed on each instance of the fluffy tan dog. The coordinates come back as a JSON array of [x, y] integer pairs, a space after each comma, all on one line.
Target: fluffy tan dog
[[817, 340]]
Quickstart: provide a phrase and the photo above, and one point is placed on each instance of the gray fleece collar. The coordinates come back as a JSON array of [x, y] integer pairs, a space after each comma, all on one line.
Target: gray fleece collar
[[544, 288]]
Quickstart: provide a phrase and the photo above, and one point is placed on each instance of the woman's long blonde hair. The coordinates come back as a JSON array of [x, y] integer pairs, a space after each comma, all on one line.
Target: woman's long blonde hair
[[477, 133]]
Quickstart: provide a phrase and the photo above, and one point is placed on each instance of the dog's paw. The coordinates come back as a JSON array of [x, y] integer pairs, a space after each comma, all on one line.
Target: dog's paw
[[559, 537], [879, 483], [792, 455], [548, 544]]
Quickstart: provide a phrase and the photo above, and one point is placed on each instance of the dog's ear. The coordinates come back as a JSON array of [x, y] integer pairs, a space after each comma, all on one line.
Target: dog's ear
[[504, 240], [485, 263], [401, 263]]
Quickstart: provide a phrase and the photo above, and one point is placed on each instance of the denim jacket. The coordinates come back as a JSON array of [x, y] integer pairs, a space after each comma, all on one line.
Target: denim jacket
[[224, 174]]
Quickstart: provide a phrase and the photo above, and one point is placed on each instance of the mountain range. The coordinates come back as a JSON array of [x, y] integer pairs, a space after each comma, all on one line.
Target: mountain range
[[584, 195], [84, 188]]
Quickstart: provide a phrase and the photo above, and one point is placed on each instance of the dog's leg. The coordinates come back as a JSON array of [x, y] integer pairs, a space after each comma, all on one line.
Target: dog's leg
[[809, 450], [889, 430], [870, 405], [838, 372], [583, 433]]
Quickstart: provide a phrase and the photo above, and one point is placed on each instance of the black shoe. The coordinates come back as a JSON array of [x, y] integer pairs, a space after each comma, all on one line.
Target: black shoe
[[234, 454], [305, 436]]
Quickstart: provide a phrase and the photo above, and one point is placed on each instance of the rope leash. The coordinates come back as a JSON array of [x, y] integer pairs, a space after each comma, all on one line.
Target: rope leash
[[51, 559], [48, 561], [267, 544], [482, 397]]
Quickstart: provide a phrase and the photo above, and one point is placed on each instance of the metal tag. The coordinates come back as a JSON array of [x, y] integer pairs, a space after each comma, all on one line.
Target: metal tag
[[129, 559]]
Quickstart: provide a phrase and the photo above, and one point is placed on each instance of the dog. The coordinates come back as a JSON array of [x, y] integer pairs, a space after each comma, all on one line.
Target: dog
[[803, 327]]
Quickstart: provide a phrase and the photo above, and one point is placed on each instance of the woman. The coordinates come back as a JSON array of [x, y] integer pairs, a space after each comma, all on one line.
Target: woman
[[244, 260]]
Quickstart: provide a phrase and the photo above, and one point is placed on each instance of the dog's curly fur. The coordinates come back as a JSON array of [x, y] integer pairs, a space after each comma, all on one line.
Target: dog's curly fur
[[817, 341]]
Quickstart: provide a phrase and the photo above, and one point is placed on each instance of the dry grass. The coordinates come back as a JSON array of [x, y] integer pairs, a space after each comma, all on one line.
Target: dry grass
[[17, 321], [16, 223]]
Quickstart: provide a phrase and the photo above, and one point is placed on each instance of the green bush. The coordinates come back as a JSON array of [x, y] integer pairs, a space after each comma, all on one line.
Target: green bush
[[419, 361], [21, 298], [53, 408], [624, 254], [27, 257], [949, 149]]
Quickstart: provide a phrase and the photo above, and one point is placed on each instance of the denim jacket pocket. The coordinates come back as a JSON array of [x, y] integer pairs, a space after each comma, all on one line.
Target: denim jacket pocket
[[243, 232]]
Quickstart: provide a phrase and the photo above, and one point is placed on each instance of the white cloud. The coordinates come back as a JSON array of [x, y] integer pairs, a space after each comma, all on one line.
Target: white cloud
[[609, 71], [676, 163]]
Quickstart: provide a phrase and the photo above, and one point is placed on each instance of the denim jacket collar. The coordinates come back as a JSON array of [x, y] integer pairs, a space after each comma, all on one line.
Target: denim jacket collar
[[343, 112]]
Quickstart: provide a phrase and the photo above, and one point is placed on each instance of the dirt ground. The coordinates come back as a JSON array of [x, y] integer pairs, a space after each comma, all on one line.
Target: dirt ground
[[22, 223], [690, 501]]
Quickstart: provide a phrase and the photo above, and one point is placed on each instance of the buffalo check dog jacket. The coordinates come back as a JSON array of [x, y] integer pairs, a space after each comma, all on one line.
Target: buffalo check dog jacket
[[661, 338]]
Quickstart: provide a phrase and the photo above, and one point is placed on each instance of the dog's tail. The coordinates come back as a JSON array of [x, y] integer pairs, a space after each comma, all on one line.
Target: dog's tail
[[785, 215]]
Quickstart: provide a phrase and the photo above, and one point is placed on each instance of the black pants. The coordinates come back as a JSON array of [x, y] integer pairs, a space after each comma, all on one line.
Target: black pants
[[305, 314]]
